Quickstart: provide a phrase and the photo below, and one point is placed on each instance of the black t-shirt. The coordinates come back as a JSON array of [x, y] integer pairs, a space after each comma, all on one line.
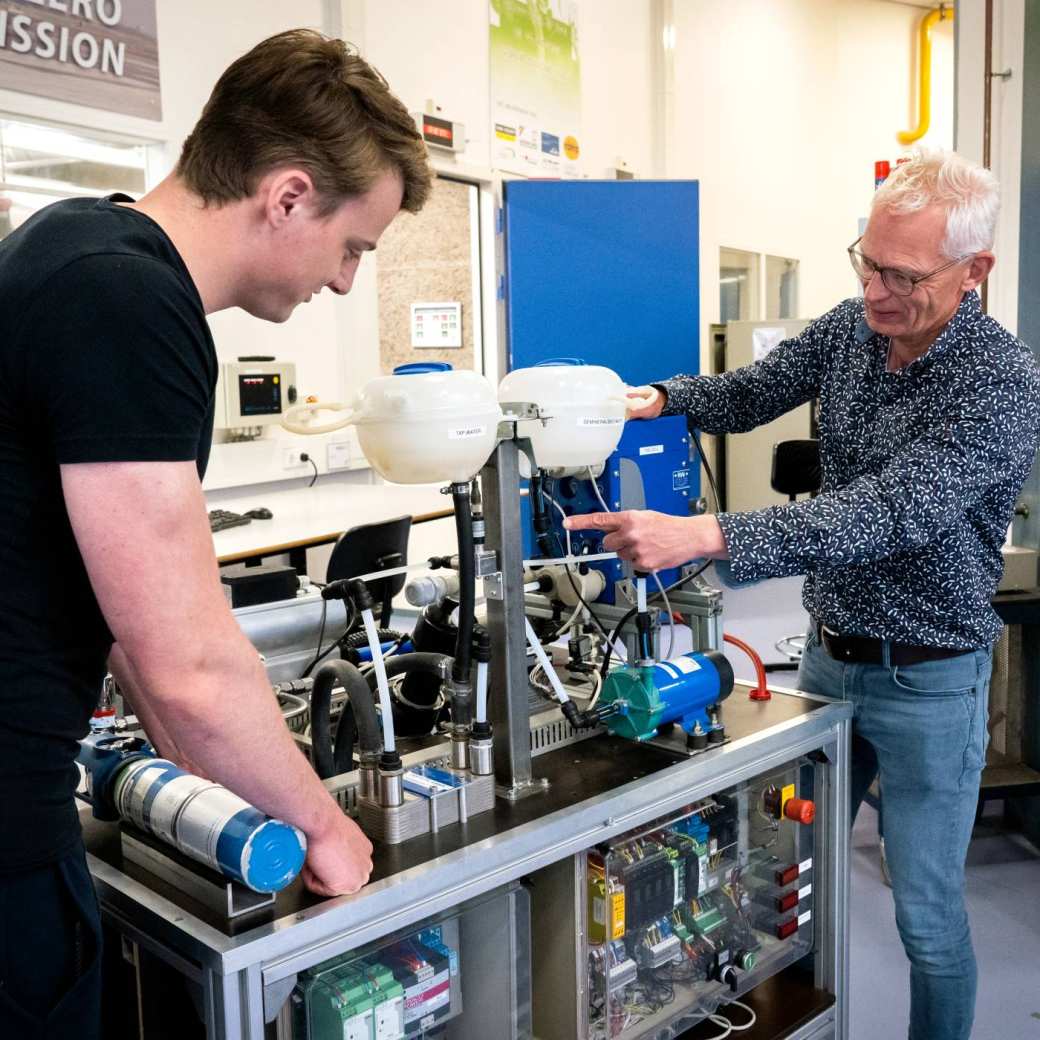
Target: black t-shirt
[[105, 356]]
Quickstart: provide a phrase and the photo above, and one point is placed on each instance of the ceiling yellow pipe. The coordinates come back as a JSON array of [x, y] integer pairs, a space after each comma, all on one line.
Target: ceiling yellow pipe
[[928, 22]]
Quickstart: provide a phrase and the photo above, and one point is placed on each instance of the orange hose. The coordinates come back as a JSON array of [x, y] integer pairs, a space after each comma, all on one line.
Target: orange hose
[[761, 691]]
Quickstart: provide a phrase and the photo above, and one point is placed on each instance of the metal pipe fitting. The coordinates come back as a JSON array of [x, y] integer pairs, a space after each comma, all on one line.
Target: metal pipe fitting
[[369, 775], [391, 787], [481, 758], [459, 747]]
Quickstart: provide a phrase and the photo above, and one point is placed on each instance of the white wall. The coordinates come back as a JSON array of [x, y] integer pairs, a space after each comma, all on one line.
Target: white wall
[[1005, 130], [782, 109]]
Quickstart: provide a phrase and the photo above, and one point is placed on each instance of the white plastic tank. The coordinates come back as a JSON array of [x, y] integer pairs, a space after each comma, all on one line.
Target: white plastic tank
[[583, 408], [427, 423]]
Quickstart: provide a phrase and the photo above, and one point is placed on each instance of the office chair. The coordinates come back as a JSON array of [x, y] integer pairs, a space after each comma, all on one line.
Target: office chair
[[796, 471], [373, 547], [796, 468]]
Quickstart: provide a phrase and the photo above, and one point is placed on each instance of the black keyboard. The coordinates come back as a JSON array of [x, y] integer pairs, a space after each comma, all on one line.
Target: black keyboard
[[221, 519]]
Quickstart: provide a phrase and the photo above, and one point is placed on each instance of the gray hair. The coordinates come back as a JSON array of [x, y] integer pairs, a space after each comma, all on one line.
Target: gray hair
[[969, 192]]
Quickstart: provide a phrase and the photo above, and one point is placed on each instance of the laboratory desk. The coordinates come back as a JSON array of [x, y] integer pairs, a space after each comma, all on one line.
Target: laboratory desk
[[306, 517], [598, 788]]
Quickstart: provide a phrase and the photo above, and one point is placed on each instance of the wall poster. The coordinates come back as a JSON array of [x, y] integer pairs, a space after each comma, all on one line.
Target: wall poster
[[535, 87], [99, 53]]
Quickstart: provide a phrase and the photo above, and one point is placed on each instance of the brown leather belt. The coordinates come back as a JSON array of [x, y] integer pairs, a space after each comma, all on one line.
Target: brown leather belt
[[866, 650]]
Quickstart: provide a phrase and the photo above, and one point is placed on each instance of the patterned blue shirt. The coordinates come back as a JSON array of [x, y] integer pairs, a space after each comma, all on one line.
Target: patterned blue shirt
[[921, 468]]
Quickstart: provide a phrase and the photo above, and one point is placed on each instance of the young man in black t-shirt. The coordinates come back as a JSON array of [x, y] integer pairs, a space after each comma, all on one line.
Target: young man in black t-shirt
[[301, 159]]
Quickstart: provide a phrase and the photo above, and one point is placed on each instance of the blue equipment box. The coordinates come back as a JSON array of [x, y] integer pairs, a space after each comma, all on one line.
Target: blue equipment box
[[651, 469]]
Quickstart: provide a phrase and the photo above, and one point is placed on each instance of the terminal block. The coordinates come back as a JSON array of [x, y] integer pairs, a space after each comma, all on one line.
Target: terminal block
[[400, 990], [691, 910]]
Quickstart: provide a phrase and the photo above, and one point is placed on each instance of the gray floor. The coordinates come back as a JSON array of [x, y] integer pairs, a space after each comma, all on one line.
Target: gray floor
[[1003, 879]]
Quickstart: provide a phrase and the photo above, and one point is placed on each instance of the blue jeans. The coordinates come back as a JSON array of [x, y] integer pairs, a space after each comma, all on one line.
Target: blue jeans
[[922, 729]]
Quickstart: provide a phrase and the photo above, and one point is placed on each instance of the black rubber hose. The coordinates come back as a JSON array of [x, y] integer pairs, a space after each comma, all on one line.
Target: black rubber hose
[[467, 580], [357, 640], [363, 715], [438, 665]]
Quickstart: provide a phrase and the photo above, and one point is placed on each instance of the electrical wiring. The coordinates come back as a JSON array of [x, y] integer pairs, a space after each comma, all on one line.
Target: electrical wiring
[[743, 1007], [569, 623], [567, 570], [718, 1020], [320, 653], [707, 470], [542, 686], [656, 576]]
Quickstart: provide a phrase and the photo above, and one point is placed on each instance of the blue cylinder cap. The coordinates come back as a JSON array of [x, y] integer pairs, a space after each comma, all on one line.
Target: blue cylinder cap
[[422, 368], [561, 361]]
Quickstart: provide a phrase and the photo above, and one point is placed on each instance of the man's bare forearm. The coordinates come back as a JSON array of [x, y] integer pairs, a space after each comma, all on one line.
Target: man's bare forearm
[[139, 705], [218, 705]]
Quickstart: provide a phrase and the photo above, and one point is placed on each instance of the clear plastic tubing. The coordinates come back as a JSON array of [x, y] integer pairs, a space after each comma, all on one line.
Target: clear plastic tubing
[[543, 660], [386, 708], [482, 685]]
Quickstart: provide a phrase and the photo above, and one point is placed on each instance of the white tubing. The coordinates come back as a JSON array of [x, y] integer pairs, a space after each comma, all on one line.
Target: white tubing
[[391, 571], [543, 660], [381, 684], [641, 595], [664, 595], [592, 558], [671, 616], [563, 517], [482, 683], [292, 419]]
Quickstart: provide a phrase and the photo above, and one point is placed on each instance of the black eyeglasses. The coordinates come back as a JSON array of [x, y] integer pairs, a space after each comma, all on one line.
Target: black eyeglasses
[[896, 281]]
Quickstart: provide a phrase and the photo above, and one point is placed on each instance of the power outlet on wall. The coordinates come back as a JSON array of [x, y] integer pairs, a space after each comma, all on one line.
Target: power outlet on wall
[[293, 459]]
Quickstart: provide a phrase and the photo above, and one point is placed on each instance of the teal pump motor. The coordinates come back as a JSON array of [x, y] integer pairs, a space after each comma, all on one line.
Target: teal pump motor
[[637, 701]]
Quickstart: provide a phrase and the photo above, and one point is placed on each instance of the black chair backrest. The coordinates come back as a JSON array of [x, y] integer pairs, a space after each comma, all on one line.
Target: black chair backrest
[[796, 468], [373, 547]]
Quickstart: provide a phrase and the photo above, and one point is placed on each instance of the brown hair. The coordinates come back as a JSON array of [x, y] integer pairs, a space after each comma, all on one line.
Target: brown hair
[[301, 98]]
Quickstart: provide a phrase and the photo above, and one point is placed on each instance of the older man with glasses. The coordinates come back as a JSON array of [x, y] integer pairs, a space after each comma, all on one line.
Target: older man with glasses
[[929, 420]]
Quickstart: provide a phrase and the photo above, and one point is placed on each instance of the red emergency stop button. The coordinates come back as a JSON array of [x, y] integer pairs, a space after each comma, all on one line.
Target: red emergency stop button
[[801, 810]]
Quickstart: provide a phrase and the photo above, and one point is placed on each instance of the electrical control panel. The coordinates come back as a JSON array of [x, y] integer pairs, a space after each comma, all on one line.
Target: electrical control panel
[[403, 989], [686, 913], [461, 975], [254, 393]]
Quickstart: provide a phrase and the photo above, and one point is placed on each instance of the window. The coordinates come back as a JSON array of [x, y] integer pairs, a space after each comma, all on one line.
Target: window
[[738, 285], [781, 288], [40, 164]]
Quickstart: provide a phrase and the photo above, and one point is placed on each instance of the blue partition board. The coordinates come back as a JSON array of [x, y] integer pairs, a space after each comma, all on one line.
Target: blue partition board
[[606, 271]]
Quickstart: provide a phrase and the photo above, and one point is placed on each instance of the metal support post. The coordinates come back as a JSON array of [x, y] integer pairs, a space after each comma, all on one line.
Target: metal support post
[[507, 673]]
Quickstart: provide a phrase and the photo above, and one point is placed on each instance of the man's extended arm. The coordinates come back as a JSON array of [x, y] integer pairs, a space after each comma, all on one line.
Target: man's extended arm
[[142, 531], [920, 492], [734, 402]]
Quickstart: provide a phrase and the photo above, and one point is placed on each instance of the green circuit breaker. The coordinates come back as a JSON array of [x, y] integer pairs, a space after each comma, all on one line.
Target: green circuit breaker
[[356, 1002]]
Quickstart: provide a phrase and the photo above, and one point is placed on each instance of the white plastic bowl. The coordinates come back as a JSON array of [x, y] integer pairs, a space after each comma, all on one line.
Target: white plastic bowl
[[585, 410], [427, 423]]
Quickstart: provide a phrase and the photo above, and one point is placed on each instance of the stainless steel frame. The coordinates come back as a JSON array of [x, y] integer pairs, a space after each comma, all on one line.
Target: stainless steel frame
[[246, 978]]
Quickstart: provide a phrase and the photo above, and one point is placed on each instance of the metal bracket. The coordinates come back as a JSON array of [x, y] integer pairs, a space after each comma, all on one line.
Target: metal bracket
[[536, 785], [493, 586], [514, 410], [275, 996], [486, 563]]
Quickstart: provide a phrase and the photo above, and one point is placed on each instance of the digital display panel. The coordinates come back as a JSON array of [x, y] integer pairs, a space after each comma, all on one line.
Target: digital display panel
[[260, 394]]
